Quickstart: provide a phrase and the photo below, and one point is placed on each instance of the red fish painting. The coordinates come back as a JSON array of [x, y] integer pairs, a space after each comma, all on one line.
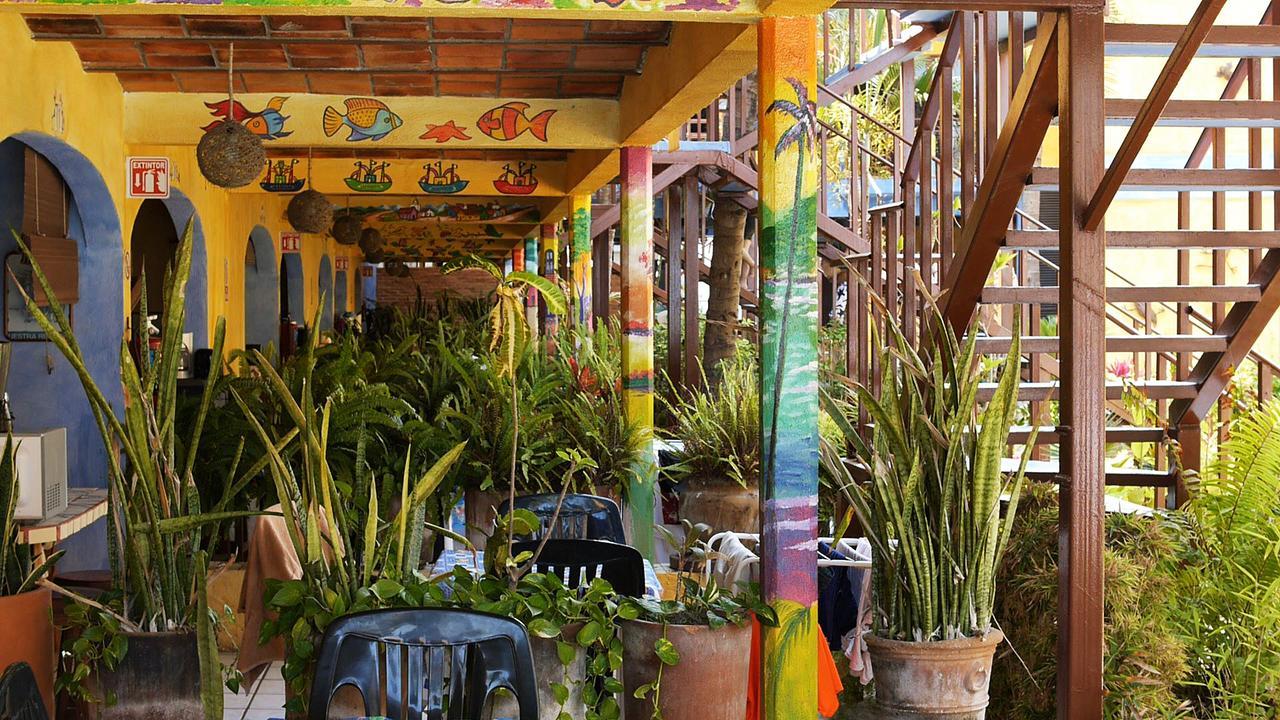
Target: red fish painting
[[267, 123], [444, 133], [509, 121]]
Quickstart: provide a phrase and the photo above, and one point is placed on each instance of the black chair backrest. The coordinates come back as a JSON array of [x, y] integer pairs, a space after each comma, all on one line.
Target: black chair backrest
[[578, 562], [19, 695], [582, 517], [445, 663]]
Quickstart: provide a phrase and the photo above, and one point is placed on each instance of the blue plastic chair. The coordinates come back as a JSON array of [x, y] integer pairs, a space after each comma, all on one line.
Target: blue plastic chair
[[582, 517]]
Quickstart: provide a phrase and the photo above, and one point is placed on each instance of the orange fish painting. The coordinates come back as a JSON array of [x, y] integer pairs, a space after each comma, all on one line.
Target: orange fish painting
[[509, 121], [444, 133]]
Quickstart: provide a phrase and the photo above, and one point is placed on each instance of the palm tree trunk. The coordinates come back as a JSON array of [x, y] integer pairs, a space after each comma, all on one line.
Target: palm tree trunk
[[721, 332]]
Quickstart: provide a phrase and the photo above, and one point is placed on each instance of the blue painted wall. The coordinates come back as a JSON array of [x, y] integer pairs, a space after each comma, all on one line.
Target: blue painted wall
[[43, 389], [197, 320], [326, 293], [369, 289], [291, 267], [340, 284], [262, 292]]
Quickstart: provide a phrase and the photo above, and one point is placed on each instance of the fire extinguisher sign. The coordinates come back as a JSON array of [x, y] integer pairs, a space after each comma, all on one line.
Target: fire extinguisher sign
[[148, 177]]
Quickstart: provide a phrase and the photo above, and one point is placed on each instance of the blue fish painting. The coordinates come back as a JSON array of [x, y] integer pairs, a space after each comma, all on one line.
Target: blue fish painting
[[267, 123], [365, 118]]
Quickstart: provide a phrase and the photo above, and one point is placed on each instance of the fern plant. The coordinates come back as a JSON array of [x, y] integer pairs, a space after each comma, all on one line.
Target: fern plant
[[932, 506], [719, 428]]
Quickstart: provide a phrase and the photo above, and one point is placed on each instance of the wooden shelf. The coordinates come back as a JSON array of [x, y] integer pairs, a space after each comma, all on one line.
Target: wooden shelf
[[84, 506]]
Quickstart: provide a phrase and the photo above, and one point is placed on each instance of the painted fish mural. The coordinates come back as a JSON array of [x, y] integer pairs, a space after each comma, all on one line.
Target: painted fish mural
[[366, 118], [510, 120], [267, 123], [444, 133]]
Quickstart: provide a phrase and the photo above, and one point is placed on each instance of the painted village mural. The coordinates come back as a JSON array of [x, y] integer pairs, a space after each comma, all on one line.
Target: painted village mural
[[422, 231]]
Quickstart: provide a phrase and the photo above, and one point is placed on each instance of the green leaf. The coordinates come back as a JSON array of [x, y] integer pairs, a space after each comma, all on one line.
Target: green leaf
[[560, 692], [589, 633], [290, 593], [543, 628], [666, 652], [386, 588], [567, 652]]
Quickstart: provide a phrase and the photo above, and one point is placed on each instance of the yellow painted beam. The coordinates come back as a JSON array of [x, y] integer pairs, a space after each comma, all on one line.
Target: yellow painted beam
[[589, 170], [794, 8], [683, 77], [374, 176], [338, 121], [683, 10]]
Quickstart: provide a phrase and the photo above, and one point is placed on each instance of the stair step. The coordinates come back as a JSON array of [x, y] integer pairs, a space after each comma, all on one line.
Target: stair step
[[1129, 293], [1049, 471], [1177, 179], [1120, 239], [1115, 343], [1224, 41], [1154, 389], [1049, 435], [1199, 113]]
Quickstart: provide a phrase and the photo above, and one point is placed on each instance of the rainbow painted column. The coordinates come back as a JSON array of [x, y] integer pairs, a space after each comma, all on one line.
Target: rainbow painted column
[[580, 243], [636, 226], [549, 258], [531, 297], [789, 362]]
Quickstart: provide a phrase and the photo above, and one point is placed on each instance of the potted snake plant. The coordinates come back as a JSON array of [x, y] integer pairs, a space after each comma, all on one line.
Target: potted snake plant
[[26, 634], [932, 509]]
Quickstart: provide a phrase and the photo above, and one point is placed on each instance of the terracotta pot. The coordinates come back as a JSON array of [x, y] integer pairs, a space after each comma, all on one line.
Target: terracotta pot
[[158, 679], [933, 680], [722, 504], [709, 682], [548, 669], [26, 635]]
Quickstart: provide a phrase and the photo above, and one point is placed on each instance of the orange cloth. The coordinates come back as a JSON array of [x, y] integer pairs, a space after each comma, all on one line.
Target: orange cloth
[[829, 685]]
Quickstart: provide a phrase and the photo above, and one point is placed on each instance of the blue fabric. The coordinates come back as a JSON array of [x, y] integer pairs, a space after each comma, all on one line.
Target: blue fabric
[[837, 597]]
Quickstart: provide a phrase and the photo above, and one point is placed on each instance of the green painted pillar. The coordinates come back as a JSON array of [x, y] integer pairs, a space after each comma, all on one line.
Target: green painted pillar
[[580, 243], [637, 333], [789, 362], [550, 255], [531, 297]]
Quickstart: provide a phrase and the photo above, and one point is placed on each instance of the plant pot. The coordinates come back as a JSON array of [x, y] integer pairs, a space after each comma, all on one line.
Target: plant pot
[[722, 504], [158, 679], [933, 680], [26, 635], [481, 509], [709, 682], [548, 669]]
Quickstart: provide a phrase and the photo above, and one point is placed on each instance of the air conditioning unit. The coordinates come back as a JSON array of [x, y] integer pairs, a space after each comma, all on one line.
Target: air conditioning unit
[[40, 460]]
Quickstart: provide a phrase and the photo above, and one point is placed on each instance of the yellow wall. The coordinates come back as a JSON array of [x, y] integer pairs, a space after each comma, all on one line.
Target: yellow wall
[[92, 121]]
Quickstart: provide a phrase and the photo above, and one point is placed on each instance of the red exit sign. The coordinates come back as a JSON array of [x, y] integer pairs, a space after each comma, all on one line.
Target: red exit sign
[[290, 241], [342, 264]]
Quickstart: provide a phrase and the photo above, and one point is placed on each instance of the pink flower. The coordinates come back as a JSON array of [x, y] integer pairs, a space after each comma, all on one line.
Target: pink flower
[[1122, 369]]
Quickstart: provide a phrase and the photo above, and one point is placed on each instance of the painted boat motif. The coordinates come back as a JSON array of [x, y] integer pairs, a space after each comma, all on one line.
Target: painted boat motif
[[452, 188], [362, 186]]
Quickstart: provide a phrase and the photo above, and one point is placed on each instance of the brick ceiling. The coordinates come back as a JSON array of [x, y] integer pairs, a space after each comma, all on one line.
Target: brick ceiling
[[390, 56]]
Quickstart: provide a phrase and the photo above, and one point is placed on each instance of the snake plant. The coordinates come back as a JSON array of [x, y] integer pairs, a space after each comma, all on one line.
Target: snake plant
[[932, 505]]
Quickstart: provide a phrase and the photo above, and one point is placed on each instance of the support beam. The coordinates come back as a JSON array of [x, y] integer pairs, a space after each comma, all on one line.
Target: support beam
[[637, 334], [693, 219], [580, 247], [789, 363], [933, 104], [531, 298], [675, 283], [1033, 107], [550, 249], [1082, 326], [906, 48], [1183, 53]]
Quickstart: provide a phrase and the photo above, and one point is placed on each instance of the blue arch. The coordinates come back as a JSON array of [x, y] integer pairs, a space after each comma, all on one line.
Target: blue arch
[[291, 272], [46, 395], [340, 284], [325, 295], [181, 210], [261, 290]]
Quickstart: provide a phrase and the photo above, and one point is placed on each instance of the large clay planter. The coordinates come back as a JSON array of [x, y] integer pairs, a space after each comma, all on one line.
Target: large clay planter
[[26, 635], [548, 669], [709, 682], [722, 504], [933, 680], [158, 679]]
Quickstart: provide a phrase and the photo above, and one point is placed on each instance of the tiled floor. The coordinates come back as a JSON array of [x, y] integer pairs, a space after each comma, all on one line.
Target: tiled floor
[[263, 701]]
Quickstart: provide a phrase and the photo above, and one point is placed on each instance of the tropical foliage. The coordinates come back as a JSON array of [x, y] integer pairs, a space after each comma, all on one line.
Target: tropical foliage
[[719, 428]]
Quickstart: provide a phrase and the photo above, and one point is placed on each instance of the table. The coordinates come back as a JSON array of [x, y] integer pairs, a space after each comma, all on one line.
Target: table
[[84, 507], [474, 564]]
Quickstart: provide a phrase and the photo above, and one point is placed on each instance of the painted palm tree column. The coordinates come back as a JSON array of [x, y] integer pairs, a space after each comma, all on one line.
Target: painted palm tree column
[[531, 297], [789, 362], [637, 332], [550, 252], [580, 243]]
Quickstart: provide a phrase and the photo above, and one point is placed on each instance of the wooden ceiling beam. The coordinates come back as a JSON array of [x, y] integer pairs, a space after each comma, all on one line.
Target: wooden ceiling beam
[[1183, 53]]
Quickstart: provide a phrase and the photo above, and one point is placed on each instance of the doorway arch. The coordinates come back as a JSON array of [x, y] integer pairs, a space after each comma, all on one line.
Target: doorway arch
[[292, 293], [326, 293], [261, 290], [153, 244], [37, 370], [340, 284]]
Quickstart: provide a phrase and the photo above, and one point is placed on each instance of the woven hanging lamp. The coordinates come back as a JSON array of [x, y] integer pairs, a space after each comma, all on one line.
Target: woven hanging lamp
[[309, 211], [371, 241], [229, 155], [346, 227]]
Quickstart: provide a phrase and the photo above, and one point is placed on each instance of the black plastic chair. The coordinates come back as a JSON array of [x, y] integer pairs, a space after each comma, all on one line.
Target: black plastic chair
[[582, 517], [578, 562], [445, 663], [19, 695]]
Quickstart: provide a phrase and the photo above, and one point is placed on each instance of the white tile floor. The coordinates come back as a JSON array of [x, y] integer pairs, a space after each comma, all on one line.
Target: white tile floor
[[262, 701]]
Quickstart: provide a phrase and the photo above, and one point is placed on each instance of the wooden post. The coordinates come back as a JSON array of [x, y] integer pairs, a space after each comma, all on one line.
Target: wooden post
[[580, 245], [637, 333], [1082, 327], [675, 281], [602, 271], [693, 217], [789, 363]]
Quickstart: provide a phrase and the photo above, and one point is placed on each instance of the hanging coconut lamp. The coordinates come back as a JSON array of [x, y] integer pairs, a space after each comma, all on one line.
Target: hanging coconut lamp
[[371, 241], [229, 154], [373, 257], [346, 229], [309, 211]]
